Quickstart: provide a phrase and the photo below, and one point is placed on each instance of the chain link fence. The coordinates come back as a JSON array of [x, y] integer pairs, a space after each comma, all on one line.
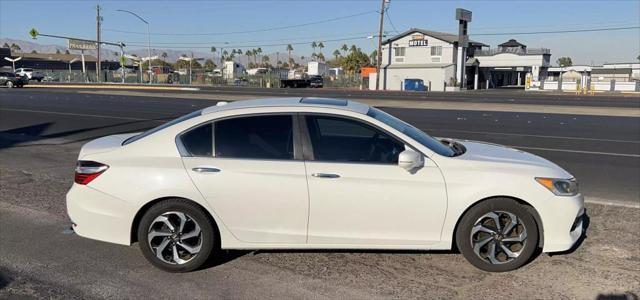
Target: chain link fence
[[195, 77]]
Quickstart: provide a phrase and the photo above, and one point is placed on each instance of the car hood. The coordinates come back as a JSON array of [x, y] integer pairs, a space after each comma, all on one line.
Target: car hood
[[499, 156]]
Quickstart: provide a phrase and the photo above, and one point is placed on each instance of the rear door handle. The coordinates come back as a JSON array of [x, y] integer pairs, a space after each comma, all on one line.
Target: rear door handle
[[325, 175], [206, 170]]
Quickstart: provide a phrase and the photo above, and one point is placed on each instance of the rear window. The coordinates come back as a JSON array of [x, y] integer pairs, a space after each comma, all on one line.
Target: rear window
[[163, 126]]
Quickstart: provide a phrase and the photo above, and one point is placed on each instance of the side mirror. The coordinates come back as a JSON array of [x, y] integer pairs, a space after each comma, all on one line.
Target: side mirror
[[409, 160]]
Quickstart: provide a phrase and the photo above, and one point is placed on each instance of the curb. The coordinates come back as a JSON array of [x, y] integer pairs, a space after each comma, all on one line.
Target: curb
[[115, 87]]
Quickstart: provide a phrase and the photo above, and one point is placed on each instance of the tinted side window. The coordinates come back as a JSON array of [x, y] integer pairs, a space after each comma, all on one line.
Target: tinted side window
[[345, 140], [198, 141], [263, 137]]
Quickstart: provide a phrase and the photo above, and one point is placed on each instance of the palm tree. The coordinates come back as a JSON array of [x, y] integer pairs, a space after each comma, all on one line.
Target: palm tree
[[336, 54], [15, 47], [265, 60], [344, 48], [320, 45], [164, 56], [224, 55], [314, 45], [289, 49], [353, 48]]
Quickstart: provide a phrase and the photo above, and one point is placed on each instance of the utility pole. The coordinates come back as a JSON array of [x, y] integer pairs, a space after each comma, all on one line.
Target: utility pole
[[379, 59], [98, 63]]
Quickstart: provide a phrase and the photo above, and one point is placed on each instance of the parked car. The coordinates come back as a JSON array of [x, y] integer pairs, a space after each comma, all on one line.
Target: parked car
[[22, 80], [317, 173], [30, 73], [10, 80]]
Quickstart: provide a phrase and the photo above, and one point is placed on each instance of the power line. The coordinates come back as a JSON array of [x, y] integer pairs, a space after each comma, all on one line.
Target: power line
[[264, 45], [250, 31], [320, 38], [556, 31], [391, 22]]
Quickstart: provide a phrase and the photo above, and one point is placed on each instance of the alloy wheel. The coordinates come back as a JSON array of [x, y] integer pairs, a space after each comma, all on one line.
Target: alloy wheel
[[175, 237], [498, 237]]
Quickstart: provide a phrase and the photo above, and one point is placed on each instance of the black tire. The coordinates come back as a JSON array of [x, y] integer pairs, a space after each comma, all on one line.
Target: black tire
[[502, 206], [9, 84], [192, 210]]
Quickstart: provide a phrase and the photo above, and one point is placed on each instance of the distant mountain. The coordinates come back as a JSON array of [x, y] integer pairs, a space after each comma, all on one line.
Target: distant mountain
[[111, 53]]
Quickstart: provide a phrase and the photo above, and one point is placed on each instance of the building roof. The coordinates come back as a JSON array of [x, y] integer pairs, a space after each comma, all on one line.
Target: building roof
[[291, 102], [603, 70], [447, 37], [512, 43], [420, 66]]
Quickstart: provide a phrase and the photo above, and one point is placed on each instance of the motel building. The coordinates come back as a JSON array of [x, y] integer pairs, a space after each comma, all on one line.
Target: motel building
[[419, 59]]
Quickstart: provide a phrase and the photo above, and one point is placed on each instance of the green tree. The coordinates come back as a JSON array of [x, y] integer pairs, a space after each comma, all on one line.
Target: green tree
[[336, 54], [314, 46], [265, 60], [344, 48], [34, 52], [564, 61], [638, 58], [67, 51], [6, 45], [321, 57], [209, 65], [373, 57], [320, 46], [15, 47], [353, 62], [57, 51], [164, 56], [289, 49]]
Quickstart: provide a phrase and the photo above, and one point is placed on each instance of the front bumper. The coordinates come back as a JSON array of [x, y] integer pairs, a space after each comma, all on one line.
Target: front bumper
[[565, 224], [99, 216]]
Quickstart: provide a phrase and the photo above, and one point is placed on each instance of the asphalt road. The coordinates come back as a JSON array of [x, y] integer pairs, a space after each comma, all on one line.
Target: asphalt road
[[41, 132], [602, 152]]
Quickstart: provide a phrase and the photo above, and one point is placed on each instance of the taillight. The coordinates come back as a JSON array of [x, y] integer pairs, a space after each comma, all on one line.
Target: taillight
[[87, 171]]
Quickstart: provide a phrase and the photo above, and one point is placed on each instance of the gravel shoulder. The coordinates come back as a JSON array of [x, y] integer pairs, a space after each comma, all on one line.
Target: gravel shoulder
[[38, 261]]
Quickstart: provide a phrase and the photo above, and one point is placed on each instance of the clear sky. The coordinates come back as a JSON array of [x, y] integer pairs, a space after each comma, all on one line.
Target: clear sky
[[214, 20]]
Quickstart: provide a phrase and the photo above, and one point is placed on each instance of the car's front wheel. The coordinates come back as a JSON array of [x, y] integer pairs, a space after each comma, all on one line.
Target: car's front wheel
[[9, 84], [176, 235], [497, 235]]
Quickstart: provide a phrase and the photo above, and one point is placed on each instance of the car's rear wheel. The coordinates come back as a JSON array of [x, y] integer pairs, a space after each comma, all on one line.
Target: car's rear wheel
[[497, 235], [176, 235]]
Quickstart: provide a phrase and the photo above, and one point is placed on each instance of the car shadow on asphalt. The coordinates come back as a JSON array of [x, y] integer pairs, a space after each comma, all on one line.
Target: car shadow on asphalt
[[224, 256]]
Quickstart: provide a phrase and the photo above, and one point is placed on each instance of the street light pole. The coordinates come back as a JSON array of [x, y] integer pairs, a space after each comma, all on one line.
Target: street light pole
[[148, 39]]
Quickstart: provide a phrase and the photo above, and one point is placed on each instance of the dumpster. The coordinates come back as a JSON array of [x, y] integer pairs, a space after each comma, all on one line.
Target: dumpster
[[414, 85]]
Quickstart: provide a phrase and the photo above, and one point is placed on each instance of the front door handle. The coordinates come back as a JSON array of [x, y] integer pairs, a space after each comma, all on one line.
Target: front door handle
[[206, 170], [325, 175]]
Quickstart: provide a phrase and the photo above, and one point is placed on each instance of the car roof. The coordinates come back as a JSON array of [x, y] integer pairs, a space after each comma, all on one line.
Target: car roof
[[291, 102]]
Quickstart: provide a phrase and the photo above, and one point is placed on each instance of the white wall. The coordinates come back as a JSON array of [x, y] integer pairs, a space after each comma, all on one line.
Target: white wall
[[510, 60], [396, 77], [418, 54]]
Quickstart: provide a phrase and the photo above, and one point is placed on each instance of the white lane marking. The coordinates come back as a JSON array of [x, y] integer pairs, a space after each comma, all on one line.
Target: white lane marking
[[535, 135], [611, 202], [576, 151], [79, 115]]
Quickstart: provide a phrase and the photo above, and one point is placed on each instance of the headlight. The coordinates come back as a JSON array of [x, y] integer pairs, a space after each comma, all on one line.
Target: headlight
[[560, 187]]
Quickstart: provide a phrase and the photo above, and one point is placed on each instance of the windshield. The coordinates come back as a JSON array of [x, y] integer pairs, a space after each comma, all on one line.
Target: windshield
[[163, 126], [414, 133]]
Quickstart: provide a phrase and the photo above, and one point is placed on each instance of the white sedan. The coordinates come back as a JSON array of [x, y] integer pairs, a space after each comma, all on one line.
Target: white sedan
[[316, 173]]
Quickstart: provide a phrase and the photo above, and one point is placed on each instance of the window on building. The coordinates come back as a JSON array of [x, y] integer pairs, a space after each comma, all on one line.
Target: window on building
[[399, 51], [258, 137], [436, 50], [344, 140]]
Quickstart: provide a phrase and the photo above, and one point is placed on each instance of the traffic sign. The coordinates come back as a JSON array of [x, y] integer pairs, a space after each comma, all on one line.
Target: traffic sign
[[33, 33]]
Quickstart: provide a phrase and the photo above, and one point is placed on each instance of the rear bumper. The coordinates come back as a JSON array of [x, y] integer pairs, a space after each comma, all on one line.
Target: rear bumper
[[99, 216], [565, 225]]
